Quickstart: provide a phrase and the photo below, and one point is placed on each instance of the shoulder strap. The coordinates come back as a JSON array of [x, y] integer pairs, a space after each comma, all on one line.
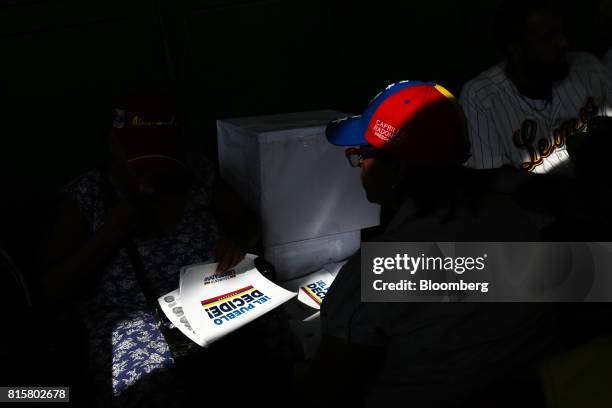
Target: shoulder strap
[[109, 197], [141, 277]]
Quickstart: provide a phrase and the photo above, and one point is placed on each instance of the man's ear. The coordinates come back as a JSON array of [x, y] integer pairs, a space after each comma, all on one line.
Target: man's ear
[[402, 169]]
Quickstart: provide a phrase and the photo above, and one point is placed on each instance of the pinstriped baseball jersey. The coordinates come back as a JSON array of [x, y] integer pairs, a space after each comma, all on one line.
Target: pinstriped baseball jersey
[[506, 127]]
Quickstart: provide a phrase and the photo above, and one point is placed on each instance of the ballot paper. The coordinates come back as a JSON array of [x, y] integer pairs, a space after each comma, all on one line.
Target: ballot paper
[[313, 290], [215, 305]]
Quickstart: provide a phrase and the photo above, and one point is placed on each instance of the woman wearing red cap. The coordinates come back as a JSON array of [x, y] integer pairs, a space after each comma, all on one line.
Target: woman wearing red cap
[[121, 236]]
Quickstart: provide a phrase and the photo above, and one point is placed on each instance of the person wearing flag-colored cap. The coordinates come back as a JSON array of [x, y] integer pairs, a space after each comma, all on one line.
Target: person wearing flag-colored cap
[[410, 144], [409, 124]]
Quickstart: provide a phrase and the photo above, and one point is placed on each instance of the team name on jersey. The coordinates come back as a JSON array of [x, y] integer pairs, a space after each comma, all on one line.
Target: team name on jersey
[[524, 137]]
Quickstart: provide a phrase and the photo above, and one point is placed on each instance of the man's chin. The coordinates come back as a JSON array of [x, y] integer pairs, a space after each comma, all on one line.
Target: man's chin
[[559, 71], [550, 73], [371, 197]]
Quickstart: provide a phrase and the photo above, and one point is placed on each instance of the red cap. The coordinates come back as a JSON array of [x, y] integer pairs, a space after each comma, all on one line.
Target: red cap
[[422, 124], [419, 122], [145, 126]]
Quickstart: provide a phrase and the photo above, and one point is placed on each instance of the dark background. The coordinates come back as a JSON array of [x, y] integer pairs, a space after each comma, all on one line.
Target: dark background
[[64, 63]]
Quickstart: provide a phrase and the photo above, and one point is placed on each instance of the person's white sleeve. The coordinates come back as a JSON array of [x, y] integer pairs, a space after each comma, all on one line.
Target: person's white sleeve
[[606, 80], [599, 84], [486, 144]]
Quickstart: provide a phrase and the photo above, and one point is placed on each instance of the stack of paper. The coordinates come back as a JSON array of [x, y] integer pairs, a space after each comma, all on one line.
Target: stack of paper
[[208, 306]]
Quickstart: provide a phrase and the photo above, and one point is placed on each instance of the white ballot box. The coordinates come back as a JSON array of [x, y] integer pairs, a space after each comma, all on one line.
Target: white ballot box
[[310, 201]]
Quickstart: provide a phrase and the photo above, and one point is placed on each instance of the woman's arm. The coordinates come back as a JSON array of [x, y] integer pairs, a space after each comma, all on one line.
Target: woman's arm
[[73, 257], [241, 226]]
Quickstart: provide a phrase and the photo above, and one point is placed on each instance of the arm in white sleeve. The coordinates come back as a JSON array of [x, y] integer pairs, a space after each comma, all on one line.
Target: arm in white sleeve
[[599, 84]]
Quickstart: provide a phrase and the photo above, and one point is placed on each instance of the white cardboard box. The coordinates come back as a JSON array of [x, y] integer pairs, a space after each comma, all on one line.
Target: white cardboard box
[[296, 259], [301, 186]]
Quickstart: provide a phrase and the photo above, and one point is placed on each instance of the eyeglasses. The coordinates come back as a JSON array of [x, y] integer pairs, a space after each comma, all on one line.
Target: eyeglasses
[[355, 155]]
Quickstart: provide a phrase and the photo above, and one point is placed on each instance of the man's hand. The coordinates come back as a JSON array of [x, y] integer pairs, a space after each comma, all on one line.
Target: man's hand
[[228, 254]]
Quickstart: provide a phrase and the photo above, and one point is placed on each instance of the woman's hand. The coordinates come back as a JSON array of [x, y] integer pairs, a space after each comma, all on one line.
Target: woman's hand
[[228, 254]]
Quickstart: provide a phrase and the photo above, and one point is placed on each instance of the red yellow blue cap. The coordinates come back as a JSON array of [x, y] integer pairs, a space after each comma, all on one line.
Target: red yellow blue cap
[[420, 122]]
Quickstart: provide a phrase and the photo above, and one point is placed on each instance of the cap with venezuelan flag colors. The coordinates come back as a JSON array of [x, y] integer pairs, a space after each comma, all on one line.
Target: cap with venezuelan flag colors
[[420, 122]]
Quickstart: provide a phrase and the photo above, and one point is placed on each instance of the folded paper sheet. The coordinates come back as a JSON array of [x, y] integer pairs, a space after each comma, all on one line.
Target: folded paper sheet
[[314, 289]]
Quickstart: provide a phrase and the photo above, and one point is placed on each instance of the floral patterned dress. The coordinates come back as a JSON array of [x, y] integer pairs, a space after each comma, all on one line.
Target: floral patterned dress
[[130, 361]]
